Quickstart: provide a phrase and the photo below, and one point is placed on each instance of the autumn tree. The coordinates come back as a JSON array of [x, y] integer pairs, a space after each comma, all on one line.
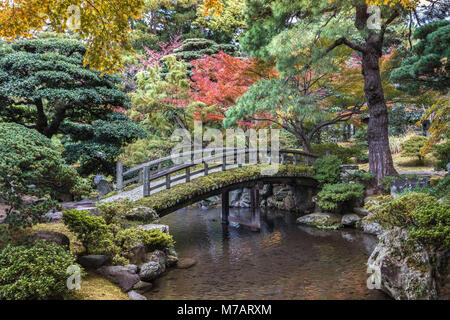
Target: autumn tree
[[219, 80], [321, 27], [43, 82]]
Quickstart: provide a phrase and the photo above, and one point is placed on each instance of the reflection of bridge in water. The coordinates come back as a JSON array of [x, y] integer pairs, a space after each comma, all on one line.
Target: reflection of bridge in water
[[163, 174]]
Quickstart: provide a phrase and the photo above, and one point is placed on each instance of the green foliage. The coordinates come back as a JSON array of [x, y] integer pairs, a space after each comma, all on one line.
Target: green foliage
[[328, 169], [413, 147], [30, 167], [442, 153], [432, 225], [104, 235], [93, 232], [193, 49], [96, 146], [333, 197], [343, 153], [184, 192], [114, 211], [36, 272], [153, 239], [364, 178], [426, 219], [47, 78], [429, 63]]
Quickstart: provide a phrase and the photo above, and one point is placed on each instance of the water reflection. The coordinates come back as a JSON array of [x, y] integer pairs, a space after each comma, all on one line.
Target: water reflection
[[283, 261]]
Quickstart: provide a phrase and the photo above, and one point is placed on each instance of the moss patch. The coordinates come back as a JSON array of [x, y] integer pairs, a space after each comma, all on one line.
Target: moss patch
[[182, 192], [94, 287]]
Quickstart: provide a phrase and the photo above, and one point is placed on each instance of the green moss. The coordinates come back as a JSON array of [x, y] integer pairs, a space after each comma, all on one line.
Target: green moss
[[183, 192], [108, 195]]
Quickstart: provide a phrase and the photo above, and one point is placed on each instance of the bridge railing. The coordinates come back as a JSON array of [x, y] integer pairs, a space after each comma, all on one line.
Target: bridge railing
[[186, 165]]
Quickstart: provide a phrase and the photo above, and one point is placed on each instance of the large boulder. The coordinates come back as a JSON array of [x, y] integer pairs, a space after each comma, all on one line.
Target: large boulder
[[186, 263], [158, 256], [50, 236], [93, 261], [142, 287], [321, 220], [143, 214], [407, 271], [124, 276], [161, 227]]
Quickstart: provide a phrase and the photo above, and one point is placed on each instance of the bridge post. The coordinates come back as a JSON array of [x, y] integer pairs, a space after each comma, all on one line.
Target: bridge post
[[119, 176], [225, 207], [254, 207], [146, 180]]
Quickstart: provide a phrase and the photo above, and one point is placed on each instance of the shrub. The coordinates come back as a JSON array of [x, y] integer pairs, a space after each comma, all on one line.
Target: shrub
[[427, 220], [413, 147], [153, 239], [398, 212], [114, 211], [442, 153], [30, 166], [328, 169], [432, 225], [93, 232], [333, 197], [442, 189], [35, 272], [326, 149], [364, 178]]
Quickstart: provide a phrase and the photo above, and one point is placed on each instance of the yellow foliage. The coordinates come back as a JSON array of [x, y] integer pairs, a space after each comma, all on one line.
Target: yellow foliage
[[104, 25]]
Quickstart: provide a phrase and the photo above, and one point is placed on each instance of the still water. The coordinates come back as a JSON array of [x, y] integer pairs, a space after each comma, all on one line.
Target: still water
[[282, 261]]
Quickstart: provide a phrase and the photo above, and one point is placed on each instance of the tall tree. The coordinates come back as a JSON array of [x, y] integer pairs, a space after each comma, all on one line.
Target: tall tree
[[321, 27], [43, 82]]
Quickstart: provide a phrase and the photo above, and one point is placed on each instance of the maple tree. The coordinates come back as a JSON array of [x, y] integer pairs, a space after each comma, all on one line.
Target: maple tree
[[220, 79]]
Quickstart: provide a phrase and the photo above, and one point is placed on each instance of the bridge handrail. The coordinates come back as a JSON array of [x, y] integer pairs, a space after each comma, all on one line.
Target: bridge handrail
[[222, 153]]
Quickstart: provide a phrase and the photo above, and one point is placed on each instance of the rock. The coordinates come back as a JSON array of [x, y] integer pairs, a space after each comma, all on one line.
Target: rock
[[403, 270], [133, 295], [371, 227], [350, 219], [399, 185], [150, 271], [50, 236], [288, 203], [161, 227], [158, 256], [93, 261], [321, 220], [98, 178], [136, 254], [367, 199], [448, 167], [103, 188], [53, 215], [143, 287], [124, 276], [132, 268], [142, 214], [240, 198], [361, 211], [186, 263], [171, 261]]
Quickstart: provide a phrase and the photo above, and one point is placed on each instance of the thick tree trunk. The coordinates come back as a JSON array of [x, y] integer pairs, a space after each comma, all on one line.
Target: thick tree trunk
[[58, 118], [380, 158]]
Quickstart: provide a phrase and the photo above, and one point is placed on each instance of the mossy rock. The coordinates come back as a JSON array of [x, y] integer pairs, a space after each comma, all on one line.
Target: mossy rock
[[322, 220]]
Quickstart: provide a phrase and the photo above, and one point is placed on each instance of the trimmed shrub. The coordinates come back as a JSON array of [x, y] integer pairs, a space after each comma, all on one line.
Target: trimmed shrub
[[413, 147], [442, 153], [334, 197], [153, 239], [30, 167], [427, 220], [35, 272], [328, 169], [343, 153], [114, 211]]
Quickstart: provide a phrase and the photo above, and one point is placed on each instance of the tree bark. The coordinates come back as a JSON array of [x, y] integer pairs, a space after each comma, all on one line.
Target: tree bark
[[380, 158], [59, 116]]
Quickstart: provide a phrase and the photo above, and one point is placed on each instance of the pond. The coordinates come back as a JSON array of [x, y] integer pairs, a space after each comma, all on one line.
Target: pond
[[282, 261]]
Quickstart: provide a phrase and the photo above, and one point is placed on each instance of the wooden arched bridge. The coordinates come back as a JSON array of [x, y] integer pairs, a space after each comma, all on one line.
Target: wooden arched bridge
[[176, 181]]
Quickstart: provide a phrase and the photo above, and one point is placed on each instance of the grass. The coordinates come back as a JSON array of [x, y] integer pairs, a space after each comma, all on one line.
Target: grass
[[94, 287], [409, 164]]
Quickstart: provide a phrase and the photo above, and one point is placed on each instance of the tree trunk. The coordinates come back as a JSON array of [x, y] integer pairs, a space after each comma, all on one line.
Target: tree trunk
[[59, 116], [380, 158]]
